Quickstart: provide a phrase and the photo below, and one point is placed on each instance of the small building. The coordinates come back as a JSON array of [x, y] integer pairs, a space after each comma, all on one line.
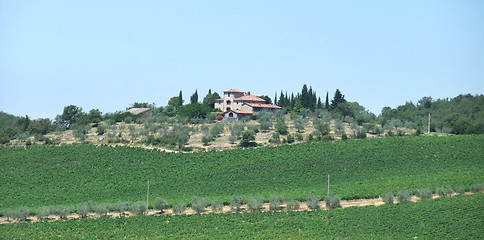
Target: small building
[[237, 104], [144, 112]]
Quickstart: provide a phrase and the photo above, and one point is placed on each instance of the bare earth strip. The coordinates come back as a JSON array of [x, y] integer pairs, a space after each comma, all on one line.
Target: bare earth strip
[[303, 207]]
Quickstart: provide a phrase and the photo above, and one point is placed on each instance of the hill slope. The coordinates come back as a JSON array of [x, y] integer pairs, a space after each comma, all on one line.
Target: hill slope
[[40, 176]]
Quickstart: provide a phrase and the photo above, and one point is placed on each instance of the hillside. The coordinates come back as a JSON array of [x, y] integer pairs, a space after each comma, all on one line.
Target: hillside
[[45, 175]]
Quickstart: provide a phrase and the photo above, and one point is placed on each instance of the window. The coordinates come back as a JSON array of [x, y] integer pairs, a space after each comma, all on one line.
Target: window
[[228, 108], [231, 115], [228, 102]]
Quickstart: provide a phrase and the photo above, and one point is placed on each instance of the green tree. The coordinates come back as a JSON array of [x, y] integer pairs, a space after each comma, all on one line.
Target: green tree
[[266, 98], [248, 138], [194, 110], [326, 104], [194, 98], [95, 116], [70, 115], [41, 125], [337, 99], [299, 125], [180, 99]]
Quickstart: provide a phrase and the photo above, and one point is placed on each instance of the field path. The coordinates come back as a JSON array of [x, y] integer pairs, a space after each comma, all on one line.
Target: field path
[[303, 207]]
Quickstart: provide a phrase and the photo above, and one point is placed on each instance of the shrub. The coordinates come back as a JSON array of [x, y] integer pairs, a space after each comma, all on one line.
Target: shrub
[[275, 203], [232, 139], [21, 214], [237, 202], [84, 208], [281, 128], [424, 194], [206, 139], [388, 198], [62, 211], [102, 209], [460, 190], [138, 208], [293, 205], [289, 139], [160, 204], [403, 195], [448, 191], [255, 204], [332, 201], [440, 191], [199, 204], [344, 136], [478, 187], [9, 213], [121, 207], [44, 212], [179, 208], [313, 201], [216, 206], [100, 130]]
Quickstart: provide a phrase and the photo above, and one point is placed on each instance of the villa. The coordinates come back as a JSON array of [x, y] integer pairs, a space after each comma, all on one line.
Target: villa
[[237, 104]]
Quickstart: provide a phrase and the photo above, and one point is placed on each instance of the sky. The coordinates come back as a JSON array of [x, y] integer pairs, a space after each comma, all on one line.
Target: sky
[[107, 55]]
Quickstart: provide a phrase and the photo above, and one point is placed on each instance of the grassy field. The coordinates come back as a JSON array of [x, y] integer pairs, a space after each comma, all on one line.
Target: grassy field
[[457, 217], [42, 176]]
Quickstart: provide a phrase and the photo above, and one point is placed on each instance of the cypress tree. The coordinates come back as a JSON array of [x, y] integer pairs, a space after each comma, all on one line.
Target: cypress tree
[[326, 105]]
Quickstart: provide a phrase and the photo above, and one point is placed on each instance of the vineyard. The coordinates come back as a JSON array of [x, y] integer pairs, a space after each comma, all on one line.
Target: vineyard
[[42, 175], [442, 218]]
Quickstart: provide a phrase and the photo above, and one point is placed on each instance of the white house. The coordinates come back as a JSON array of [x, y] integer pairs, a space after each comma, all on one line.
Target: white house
[[237, 104]]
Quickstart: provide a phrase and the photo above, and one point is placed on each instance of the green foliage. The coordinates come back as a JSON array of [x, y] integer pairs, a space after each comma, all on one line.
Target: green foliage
[[199, 204], [403, 195], [84, 208], [44, 212], [424, 193], [102, 209], [138, 208], [194, 110], [216, 206], [69, 116], [478, 187], [248, 138], [100, 130], [460, 190], [440, 191], [387, 198], [255, 204], [179, 208], [313, 201], [236, 203], [122, 206], [293, 205], [457, 217], [265, 122], [332, 201], [71, 174], [275, 203], [61, 211]]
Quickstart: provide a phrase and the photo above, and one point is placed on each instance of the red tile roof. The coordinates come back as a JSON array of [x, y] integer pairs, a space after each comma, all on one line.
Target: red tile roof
[[250, 97], [233, 91], [239, 111], [261, 105]]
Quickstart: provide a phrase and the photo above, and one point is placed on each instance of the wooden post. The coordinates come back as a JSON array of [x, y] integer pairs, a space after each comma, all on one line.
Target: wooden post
[[148, 196], [328, 184], [428, 130]]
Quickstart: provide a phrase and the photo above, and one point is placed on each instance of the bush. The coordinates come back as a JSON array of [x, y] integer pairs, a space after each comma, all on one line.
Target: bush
[[332, 201], [248, 138], [281, 128], [460, 190], [44, 212], [403, 195], [478, 187], [216, 207], [255, 204], [160, 204], [440, 191], [9, 213], [21, 214], [101, 129], [313, 202], [290, 139], [138, 208], [121, 207], [102, 209], [62, 211], [84, 208], [199, 204], [387, 198], [293, 205], [179, 208], [424, 194], [206, 139], [237, 202], [275, 203], [448, 191]]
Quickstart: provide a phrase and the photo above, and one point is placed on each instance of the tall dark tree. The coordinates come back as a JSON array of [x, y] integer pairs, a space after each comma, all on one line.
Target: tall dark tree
[[320, 104], [275, 98], [194, 97], [326, 104], [337, 99], [180, 99], [305, 98], [210, 98], [311, 99]]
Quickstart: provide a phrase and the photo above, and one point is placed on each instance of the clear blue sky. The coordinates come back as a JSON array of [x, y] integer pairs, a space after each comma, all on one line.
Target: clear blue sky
[[109, 54]]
